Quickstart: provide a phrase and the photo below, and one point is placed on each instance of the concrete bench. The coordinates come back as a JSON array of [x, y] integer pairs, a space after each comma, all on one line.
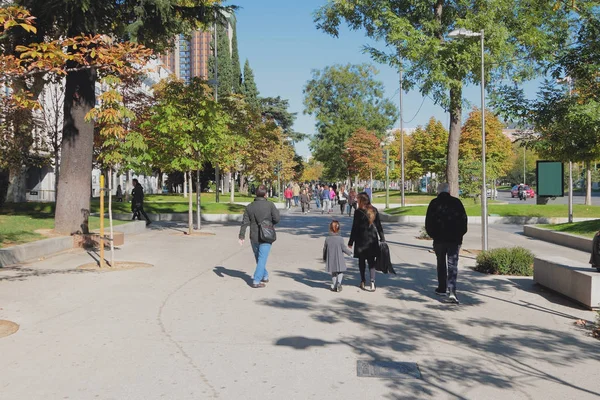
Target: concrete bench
[[572, 279]]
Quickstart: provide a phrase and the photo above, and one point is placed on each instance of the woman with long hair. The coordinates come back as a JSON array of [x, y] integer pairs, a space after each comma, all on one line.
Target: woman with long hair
[[366, 233]]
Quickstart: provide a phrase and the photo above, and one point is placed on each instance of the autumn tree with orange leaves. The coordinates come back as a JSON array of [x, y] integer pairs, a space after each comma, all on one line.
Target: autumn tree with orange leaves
[[363, 154]]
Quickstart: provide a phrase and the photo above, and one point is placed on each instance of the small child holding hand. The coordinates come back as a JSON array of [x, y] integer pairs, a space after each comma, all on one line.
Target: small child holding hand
[[333, 255]]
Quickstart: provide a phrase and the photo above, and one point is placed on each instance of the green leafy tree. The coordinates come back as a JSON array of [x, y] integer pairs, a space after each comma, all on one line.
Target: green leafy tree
[[277, 109], [518, 35], [344, 98], [523, 158], [152, 22], [187, 127], [249, 87], [498, 146], [428, 147], [313, 171]]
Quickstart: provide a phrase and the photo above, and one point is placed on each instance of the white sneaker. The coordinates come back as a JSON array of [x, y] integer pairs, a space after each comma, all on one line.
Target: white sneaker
[[453, 299]]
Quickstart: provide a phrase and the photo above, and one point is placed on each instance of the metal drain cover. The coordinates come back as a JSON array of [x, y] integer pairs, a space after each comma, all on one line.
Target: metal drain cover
[[387, 369], [7, 328]]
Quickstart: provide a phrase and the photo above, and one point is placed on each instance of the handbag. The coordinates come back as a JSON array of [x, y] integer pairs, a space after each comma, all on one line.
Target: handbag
[[266, 232]]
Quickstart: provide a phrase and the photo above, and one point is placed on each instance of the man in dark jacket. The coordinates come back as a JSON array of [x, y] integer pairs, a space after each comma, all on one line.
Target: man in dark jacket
[[137, 202], [258, 211], [446, 224]]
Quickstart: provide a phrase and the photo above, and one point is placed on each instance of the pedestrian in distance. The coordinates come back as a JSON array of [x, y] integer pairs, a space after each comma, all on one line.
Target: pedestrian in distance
[[333, 255], [288, 194], [351, 201], [119, 194], [332, 197], [318, 193], [259, 214], [296, 193], [325, 198], [343, 199], [369, 192], [137, 202], [304, 201], [366, 233], [446, 223]]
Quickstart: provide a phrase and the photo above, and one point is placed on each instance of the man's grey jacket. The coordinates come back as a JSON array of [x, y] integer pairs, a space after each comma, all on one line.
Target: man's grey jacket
[[256, 212]]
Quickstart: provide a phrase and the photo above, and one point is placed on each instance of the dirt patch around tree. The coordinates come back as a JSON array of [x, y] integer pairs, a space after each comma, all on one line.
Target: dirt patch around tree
[[118, 266], [7, 328]]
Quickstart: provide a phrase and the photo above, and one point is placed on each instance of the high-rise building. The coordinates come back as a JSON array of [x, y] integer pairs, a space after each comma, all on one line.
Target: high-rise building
[[189, 58]]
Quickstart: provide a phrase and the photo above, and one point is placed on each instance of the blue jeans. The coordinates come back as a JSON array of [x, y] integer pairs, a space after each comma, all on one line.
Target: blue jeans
[[261, 254], [318, 202], [296, 198], [447, 265], [326, 205]]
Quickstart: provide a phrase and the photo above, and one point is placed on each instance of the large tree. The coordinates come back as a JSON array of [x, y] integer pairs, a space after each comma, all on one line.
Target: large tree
[[152, 22], [222, 69], [518, 33], [344, 98], [238, 78], [364, 155], [277, 109]]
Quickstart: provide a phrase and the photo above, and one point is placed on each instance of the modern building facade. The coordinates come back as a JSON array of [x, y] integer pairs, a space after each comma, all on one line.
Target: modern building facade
[[189, 58]]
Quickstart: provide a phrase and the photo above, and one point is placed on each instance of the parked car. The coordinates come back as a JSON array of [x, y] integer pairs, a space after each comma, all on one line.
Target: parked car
[[514, 192]]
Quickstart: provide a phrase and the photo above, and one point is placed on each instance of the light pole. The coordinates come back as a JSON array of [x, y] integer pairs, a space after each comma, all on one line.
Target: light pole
[[403, 201], [465, 33]]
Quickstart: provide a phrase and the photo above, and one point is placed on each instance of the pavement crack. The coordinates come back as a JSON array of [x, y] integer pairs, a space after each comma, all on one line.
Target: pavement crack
[[178, 344]]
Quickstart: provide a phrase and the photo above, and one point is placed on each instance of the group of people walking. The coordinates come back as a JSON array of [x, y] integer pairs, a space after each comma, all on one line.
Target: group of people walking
[[326, 197], [446, 223]]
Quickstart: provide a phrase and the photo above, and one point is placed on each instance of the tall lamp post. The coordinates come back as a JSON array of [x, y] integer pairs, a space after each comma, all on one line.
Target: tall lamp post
[[403, 199], [465, 33]]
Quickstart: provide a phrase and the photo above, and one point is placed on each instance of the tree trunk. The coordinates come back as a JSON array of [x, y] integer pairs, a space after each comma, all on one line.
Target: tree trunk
[[185, 185], [190, 204], [231, 188], [159, 182], [588, 183], [110, 218], [454, 139], [17, 182], [73, 202], [56, 172]]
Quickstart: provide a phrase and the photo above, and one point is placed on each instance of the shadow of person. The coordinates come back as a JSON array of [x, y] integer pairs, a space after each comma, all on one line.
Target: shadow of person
[[222, 272]]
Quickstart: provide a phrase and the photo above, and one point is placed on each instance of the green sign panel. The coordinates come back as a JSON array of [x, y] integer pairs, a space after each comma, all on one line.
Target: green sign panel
[[550, 179]]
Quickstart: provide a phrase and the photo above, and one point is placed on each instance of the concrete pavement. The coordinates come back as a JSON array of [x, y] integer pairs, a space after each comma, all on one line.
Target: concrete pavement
[[192, 328]]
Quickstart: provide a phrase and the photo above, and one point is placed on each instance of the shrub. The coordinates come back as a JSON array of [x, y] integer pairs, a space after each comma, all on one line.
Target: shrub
[[506, 261]]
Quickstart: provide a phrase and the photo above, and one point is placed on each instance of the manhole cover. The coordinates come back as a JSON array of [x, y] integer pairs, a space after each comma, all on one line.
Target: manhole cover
[[7, 328], [387, 369]]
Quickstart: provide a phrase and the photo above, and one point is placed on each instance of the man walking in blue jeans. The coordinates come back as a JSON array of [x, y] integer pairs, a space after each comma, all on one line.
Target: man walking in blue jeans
[[326, 199], [258, 211], [446, 223]]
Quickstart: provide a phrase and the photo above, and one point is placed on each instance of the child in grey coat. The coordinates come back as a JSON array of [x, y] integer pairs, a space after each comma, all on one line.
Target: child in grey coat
[[333, 255]]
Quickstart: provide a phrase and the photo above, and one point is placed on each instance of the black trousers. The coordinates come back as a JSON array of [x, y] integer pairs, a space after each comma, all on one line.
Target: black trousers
[[137, 210], [447, 265], [362, 266], [342, 206]]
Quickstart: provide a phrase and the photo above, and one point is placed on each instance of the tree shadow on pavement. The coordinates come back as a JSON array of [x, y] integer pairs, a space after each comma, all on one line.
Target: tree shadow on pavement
[[10, 274], [222, 272]]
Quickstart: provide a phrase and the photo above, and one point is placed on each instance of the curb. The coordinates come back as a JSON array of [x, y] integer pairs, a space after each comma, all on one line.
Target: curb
[[562, 239]]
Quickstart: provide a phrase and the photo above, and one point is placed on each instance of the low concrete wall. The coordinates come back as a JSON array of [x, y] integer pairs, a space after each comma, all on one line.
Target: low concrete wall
[[560, 238], [46, 247], [574, 280], [34, 250]]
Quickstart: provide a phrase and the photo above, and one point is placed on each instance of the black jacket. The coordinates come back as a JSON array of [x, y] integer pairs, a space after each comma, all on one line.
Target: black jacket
[[446, 220], [384, 260], [137, 194], [365, 235], [595, 258], [256, 212]]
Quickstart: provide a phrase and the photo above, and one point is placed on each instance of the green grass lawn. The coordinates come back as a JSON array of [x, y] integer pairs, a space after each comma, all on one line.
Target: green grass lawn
[[164, 207], [396, 198], [584, 228], [512, 210], [18, 228]]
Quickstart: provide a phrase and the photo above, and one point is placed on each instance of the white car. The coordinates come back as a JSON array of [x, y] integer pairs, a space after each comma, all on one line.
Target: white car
[[489, 193]]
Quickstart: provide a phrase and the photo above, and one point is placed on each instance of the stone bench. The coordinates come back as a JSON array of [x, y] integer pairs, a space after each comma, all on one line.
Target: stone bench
[[575, 280]]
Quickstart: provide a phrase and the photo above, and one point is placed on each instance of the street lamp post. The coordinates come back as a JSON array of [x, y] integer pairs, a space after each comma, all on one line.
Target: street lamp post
[[403, 200], [464, 33]]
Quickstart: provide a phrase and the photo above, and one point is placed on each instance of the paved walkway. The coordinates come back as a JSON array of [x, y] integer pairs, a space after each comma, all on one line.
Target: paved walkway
[[192, 328]]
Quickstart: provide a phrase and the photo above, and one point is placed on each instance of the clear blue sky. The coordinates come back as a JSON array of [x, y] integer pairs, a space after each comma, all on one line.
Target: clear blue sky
[[280, 40]]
